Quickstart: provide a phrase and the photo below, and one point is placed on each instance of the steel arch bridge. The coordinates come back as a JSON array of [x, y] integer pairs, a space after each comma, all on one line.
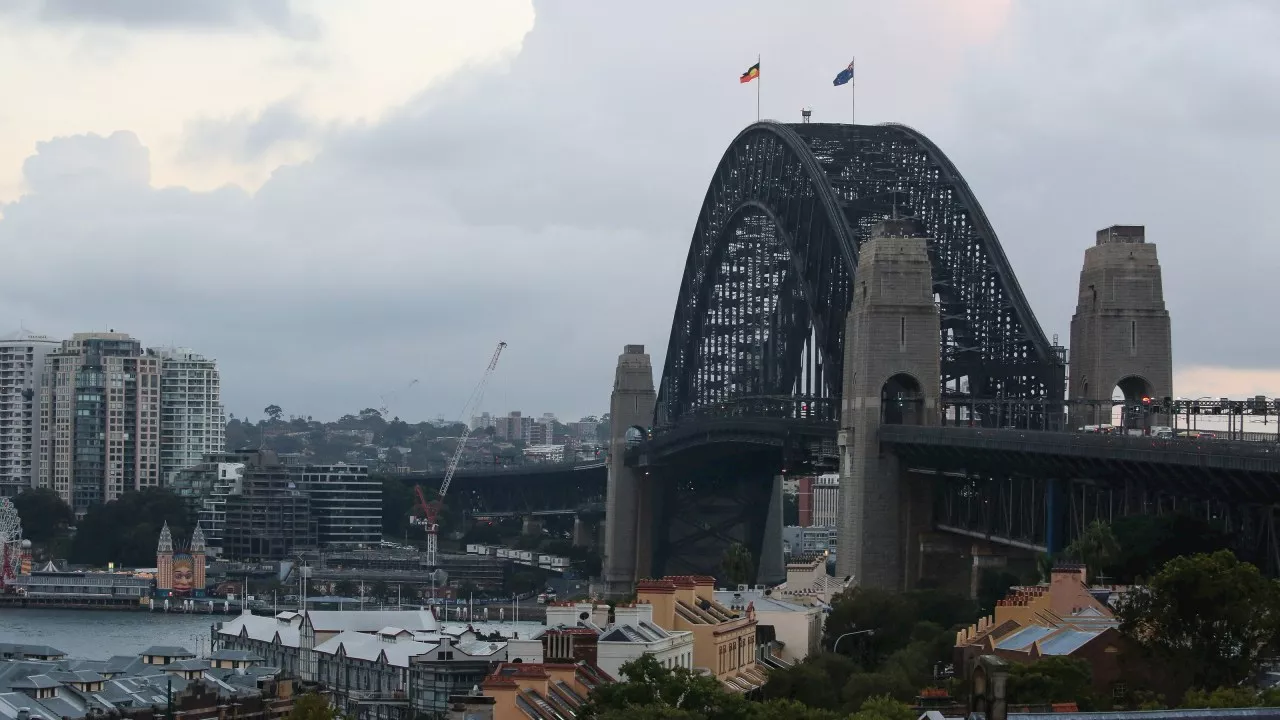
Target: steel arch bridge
[[767, 282], [752, 379]]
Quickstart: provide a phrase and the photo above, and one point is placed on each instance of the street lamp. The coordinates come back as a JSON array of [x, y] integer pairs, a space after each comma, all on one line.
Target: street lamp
[[836, 644]]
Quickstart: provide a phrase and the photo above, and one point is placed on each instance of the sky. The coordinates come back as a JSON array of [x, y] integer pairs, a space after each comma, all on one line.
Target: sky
[[335, 199]]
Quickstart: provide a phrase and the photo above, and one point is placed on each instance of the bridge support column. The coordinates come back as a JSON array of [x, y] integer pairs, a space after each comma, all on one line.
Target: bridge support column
[[891, 375], [631, 411], [772, 568], [530, 525], [1120, 332]]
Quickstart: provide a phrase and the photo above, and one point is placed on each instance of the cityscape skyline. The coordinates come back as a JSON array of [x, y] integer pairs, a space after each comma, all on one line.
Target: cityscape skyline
[[381, 256]]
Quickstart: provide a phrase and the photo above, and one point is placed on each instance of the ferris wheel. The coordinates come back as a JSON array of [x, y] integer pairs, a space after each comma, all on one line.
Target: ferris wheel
[[10, 542]]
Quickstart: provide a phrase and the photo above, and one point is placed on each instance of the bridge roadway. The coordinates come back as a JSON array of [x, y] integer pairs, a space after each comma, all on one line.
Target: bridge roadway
[[1221, 469], [533, 488]]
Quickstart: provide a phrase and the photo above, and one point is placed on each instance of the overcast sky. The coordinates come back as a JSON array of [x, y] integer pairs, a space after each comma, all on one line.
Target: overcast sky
[[335, 198]]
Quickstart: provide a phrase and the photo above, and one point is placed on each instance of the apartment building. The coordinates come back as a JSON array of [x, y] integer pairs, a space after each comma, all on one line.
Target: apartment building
[[346, 503], [192, 420], [99, 419], [22, 355], [818, 499], [270, 518], [206, 486]]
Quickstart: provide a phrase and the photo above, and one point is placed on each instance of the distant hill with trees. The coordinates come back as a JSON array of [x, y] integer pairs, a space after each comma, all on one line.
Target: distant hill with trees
[[368, 437]]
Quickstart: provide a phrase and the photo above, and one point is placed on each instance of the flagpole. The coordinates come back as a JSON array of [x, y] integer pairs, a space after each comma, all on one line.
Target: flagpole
[[853, 94], [759, 80]]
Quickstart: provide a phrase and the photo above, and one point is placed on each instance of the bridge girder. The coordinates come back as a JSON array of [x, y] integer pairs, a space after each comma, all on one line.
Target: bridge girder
[[768, 278]]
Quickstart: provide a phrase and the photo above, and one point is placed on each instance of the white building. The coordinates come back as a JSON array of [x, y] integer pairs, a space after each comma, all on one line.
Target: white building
[[193, 422], [826, 500], [634, 633], [22, 356], [797, 627]]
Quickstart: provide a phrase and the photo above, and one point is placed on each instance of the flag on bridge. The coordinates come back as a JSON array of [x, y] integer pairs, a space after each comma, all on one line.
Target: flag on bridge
[[752, 73], [844, 76]]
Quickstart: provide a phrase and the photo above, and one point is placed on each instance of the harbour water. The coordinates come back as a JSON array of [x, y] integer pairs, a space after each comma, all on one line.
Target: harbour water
[[99, 634]]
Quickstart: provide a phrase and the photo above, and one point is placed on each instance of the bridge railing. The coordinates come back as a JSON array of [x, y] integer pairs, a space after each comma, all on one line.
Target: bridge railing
[[1183, 418], [777, 407]]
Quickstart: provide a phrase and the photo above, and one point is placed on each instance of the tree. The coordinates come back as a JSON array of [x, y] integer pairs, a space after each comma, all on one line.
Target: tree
[[738, 565], [44, 515], [790, 510], [1051, 680], [126, 530], [1096, 548], [274, 412], [648, 689], [345, 588], [884, 708], [1233, 697], [312, 706], [1210, 618], [816, 682]]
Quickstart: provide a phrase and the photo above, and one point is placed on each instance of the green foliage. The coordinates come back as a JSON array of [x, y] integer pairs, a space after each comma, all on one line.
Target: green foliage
[[273, 411], [1096, 548], [346, 588], [862, 687], [1147, 542], [1051, 680], [126, 530], [44, 516], [312, 706], [816, 682], [790, 510], [884, 708], [993, 585], [790, 710], [1209, 618], [894, 617], [1223, 697], [738, 565], [648, 689]]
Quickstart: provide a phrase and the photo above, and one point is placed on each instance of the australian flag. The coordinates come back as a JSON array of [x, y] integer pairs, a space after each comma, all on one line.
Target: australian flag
[[845, 76]]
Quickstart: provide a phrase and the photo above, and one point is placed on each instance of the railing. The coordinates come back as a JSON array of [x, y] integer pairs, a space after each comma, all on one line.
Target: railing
[[777, 407]]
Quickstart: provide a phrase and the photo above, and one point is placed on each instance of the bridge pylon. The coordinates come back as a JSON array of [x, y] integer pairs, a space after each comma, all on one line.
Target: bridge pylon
[[1120, 334], [892, 375], [628, 504]]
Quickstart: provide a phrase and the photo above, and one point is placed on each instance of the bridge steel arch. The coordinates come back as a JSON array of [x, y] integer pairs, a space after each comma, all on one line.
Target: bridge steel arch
[[768, 278]]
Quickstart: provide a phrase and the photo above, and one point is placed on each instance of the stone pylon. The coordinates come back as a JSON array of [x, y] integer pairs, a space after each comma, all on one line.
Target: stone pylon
[[628, 517], [891, 375], [1120, 335]]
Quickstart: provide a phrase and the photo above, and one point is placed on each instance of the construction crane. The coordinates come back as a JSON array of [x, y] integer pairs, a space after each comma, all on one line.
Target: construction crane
[[385, 400], [430, 511]]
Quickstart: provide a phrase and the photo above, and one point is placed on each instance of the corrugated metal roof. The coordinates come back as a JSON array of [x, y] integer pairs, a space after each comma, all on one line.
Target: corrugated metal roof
[[1024, 637], [1067, 641]]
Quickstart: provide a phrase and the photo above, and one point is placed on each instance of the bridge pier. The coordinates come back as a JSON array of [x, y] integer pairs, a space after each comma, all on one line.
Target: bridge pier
[[712, 504], [891, 376], [628, 516], [1120, 333]]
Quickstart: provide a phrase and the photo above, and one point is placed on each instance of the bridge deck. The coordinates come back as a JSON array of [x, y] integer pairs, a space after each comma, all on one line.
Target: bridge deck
[[1198, 468]]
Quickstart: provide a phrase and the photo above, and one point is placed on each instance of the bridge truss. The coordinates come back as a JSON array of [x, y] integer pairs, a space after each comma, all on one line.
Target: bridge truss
[[767, 282]]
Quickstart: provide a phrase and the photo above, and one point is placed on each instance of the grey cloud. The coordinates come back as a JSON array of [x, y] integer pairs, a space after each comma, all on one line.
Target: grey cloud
[[1102, 113], [550, 204], [246, 138], [275, 15]]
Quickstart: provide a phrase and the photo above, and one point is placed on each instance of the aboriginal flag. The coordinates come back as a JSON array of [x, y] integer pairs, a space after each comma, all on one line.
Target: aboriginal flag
[[752, 73]]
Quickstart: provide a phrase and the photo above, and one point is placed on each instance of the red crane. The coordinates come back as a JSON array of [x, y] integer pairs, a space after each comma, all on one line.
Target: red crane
[[425, 513]]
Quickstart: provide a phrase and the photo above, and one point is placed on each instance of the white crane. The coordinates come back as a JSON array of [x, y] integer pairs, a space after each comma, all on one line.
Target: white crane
[[432, 509]]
